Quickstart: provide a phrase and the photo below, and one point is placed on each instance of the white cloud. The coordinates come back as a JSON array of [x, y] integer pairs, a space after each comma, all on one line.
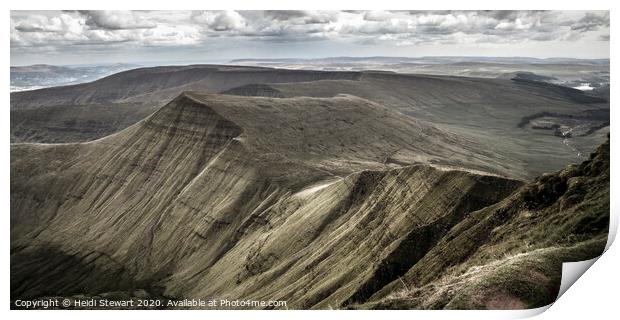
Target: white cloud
[[116, 20], [62, 31], [219, 20]]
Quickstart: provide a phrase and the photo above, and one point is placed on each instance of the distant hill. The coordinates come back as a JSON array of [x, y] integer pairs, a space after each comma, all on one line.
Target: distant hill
[[430, 59], [564, 71], [40, 68], [471, 108], [43, 75]]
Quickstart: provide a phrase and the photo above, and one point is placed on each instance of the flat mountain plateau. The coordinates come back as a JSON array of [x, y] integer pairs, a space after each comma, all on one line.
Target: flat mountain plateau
[[324, 189]]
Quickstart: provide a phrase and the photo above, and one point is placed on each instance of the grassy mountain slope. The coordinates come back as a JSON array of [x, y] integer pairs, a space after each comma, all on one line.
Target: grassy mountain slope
[[490, 111], [233, 191], [297, 199], [509, 255]]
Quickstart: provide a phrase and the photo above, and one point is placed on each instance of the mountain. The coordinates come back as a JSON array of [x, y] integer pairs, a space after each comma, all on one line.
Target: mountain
[[323, 202], [93, 110], [162, 83], [40, 68], [518, 125], [43, 75], [563, 71], [509, 255]]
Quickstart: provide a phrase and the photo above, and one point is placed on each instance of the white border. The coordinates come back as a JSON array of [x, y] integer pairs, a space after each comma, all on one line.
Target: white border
[[594, 295]]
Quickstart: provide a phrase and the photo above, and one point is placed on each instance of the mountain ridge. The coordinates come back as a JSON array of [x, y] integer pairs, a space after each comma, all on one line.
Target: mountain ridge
[[490, 112], [128, 189], [198, 201]]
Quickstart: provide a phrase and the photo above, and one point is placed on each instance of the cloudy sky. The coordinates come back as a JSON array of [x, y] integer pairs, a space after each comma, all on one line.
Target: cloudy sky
[[83, 37]]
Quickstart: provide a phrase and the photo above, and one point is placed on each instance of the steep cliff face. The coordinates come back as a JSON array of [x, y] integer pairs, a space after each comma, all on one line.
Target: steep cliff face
[[509, 255], [323, 202], [233, 191], [109, 194], [325, 244]]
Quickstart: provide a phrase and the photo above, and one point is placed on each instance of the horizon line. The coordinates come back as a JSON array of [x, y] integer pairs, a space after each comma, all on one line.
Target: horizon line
[[211, 61]]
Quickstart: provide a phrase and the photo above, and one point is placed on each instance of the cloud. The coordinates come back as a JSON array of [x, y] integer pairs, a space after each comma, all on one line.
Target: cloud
[[116, 20], [58, 30], [219, 20], [49, 31], [377, 15], [321, 17], [591, 22], [501, 14], [284, 15], [40, 23]]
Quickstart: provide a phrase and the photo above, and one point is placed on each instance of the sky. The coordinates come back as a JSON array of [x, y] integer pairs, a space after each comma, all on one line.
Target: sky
[[146, 37]]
